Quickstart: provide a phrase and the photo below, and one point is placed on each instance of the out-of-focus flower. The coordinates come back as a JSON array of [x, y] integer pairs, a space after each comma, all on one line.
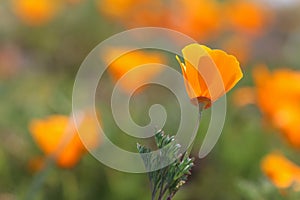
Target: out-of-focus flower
[[134, 13], [116, 9], [36, 12], [240, 47], [278, 97], [137, 66], [281, 86], [247, 16], [201, 60], [199, 19], [244, 96], [150, 14], [58, 138], [282, 172]]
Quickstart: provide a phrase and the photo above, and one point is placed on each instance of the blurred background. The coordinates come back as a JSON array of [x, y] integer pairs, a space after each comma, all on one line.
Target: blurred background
[[42, 45]]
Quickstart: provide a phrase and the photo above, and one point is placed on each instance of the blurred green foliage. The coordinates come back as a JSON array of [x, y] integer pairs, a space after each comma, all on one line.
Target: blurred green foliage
[[41, 84]]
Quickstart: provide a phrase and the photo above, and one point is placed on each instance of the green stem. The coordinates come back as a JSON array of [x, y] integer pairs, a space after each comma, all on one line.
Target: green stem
[[39, 179], [153, 193], [161, 188], [201, 107], [165, 189]]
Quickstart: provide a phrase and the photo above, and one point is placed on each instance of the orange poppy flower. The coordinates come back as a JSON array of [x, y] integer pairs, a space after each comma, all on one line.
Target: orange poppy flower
[[240, 47], [131, 66], [133, 13], [35, 12], [238, 13], [208, 73], [116, 9], [278, 97], [58, 137], [282, 172], [199, 19], [244, 96]]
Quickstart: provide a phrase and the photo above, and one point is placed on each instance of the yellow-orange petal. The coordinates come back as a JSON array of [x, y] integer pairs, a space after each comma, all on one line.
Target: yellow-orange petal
[[196, 83], [36, 12], [48, 132], [278, 97], [228, 67], [58, 138], [208, 73], [286, 119], [69, 156], [282, 172], [137, 67]]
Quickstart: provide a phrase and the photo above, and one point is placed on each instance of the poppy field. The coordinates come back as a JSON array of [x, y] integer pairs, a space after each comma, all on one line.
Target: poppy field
[[150, 99]]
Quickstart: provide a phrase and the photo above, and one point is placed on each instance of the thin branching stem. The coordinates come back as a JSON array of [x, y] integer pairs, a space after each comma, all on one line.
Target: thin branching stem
[[166, 181], [161, 192]]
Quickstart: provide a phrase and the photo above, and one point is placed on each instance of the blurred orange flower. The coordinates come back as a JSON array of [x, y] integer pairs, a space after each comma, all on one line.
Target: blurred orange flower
[[35, 12], [131, 65], [278, 97], [240, 47], [58, 138], [282, 172], [199, 19], [246, 16], [244, 96], [133, 13], [116, 9], [212, 64]]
